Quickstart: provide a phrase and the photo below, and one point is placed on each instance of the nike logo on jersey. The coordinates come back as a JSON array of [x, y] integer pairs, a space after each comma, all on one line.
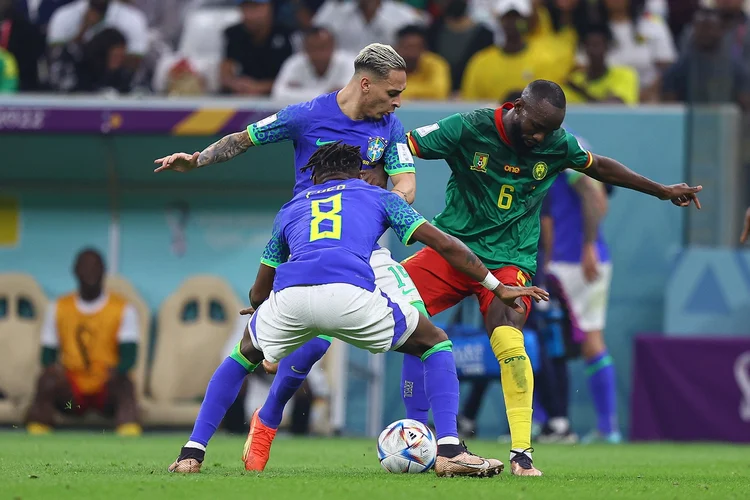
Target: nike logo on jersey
[[301, 372], [407, 292], [321, 142]]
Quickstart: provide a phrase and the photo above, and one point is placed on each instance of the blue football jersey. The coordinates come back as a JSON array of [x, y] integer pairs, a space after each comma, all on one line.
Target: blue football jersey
[[320, 121], [325, 234]]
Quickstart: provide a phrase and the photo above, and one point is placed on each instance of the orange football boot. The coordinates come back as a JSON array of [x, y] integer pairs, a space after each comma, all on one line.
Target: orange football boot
[[257, 448]]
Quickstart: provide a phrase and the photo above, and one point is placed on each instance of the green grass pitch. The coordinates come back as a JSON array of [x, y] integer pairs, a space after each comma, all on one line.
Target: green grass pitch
[[81, 466]]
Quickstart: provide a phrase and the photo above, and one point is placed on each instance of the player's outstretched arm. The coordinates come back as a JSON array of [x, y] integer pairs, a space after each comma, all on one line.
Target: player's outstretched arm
[[613, 172], [261, 289], [460, 257], [746, 228], [222, 150]]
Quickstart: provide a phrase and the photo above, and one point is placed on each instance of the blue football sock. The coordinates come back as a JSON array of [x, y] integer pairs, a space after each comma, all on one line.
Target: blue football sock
[[291, 373], [441, 386], [221, 392], [602, 384]]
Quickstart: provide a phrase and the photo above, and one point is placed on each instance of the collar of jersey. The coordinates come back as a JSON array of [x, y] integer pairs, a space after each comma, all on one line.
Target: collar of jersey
[[499, 121]]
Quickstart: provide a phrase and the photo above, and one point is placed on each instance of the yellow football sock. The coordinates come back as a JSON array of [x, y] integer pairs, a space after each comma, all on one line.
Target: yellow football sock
[[517, 381], [37, 428], [130, 429]]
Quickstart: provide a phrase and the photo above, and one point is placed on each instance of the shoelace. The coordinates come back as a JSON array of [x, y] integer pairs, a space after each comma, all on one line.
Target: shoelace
[[522, 458]]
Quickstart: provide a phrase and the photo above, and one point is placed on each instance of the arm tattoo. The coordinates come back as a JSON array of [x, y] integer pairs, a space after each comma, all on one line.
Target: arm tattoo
[[225, 149]]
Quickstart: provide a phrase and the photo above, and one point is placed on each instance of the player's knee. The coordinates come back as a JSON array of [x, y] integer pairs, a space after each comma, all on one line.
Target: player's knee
[[424, 338], [50, 382]]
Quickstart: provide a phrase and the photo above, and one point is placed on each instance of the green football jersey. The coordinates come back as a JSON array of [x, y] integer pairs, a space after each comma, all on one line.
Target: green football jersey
[[494, 195]]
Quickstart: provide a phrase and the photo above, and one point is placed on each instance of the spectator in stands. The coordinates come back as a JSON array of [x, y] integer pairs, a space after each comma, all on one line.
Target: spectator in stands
[[89, 346], [680, 14], [708, 71], [25, 44], [103, 67], [319, 69], [164, 19], [457, 37], [555, 28], [641, 40], [358, 23], [598, 82], [428, 73], [44, 12], [255, 50], [79, 21], [8, 73], [500, 71], [734, 26]]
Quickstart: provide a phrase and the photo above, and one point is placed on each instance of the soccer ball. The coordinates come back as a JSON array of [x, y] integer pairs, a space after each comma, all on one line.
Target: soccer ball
[[407, 446]]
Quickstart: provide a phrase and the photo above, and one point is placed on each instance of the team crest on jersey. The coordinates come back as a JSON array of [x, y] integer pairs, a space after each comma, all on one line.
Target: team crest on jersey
[[375, 148], [480, 162], [539, 171]]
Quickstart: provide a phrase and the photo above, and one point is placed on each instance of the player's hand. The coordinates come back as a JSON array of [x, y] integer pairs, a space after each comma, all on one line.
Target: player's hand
[[248, 311], [179, 162], [682, 195], [590, 262], [270, 368], [509, 294], [746, 229]]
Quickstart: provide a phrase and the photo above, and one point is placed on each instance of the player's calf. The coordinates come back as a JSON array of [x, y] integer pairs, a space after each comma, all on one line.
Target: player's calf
[[51, 387], [122, 393], [432, 346]]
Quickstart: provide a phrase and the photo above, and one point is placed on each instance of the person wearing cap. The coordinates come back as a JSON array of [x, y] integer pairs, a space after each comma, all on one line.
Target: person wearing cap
[[255, 49], [500, 70]]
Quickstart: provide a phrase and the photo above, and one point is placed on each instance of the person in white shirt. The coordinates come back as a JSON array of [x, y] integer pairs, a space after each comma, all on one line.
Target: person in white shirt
[[359, 23], [81, 20], [320, 68], [641, 40]]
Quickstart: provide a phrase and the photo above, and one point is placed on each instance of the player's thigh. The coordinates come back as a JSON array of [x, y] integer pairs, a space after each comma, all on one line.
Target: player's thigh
[[366, 319], [494, 311], [283, 322], [594, 314], [392, 278], [586, 300], [438, 283]]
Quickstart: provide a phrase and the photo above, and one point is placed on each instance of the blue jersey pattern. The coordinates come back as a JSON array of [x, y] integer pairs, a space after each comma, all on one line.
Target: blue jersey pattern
[[326, 233], [564, 207], [320, 121]]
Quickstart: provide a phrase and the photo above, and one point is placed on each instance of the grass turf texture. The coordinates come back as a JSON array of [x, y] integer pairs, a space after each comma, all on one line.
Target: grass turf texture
[[69, 465]]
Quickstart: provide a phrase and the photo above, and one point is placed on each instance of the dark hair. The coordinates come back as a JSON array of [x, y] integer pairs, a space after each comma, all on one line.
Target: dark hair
[[411, 29], [335, 158], [545, 90], [598, 29], [580, 16], [598, 14]]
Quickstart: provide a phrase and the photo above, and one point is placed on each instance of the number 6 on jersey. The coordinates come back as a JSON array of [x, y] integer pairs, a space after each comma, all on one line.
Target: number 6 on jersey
[[506, 196], [333, 229]]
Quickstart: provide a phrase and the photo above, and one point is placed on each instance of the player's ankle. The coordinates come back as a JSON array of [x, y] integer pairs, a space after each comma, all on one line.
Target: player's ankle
[[193, 453], [450, 450]]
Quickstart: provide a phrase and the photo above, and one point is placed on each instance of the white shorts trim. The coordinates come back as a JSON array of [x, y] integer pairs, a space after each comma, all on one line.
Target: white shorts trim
[[392, 278], [368, 320], [587, 300]]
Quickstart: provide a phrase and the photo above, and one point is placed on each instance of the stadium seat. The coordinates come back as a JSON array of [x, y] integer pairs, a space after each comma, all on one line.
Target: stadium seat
[[22, 308], [202, 36], [194, 324]]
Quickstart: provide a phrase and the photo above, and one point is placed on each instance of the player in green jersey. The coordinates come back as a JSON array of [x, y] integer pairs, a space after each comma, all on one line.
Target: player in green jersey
[[503, 161]]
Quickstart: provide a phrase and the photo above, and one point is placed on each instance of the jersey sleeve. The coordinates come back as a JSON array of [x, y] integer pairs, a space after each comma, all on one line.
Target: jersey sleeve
[[402, 218], [398, 158], [276, 251], [578, 157], [437, 141], [286, 125]]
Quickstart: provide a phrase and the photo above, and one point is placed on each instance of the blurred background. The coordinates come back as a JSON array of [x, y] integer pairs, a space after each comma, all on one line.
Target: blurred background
[[92, 91]]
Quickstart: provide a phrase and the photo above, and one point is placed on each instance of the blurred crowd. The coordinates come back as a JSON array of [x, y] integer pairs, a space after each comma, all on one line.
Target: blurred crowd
[[626, 51]]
